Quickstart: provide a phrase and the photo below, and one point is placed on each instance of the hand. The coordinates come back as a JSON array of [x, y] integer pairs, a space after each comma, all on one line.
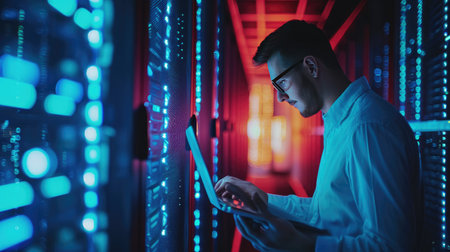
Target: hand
[[275, 234], [242, 194]]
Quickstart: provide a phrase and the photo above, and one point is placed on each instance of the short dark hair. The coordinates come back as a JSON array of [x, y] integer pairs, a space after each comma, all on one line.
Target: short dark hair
[[296, 39]]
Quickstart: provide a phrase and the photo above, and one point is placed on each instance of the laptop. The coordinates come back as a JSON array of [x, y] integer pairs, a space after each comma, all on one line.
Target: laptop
[[212, 196], [206, 179]]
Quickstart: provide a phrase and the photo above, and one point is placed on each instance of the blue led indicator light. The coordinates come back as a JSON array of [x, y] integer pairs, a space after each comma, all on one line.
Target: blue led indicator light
[[37, 162], [83, 18], [92, 135], [94, 113], [90, 177], [93, 73], [95, 38], [89, 222], [92, 154], [94, 91], [91, 199], [97, 18], [96, 3]]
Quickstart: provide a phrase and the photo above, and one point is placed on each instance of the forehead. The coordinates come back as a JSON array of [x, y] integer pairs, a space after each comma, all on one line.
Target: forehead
[[276, 65]]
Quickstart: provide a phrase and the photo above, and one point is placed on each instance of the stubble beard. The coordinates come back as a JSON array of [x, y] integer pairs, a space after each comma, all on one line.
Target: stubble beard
[[310, 97]]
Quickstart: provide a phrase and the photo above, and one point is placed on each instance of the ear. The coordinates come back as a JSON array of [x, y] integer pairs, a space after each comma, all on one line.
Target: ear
[[312, 66]]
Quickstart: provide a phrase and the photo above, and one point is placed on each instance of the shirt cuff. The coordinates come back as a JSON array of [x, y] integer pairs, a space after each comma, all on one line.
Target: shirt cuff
[[275, 203]]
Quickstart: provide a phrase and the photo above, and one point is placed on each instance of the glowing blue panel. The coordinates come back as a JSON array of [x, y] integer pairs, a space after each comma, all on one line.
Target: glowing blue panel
[[92, 135], [17, 94], [70, 88], [430, 126], [95, 38], [19, 69], [90, 199], [83, 18], [55, 186], [66, 7], [89, 222], [94, 91], [59, 105], [94, 113], [92, 154], [14, 231], [90, 177], [15, 195], [36, 163]]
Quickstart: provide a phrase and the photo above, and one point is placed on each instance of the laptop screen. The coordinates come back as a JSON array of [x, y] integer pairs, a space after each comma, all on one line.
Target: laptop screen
[[201, 166]]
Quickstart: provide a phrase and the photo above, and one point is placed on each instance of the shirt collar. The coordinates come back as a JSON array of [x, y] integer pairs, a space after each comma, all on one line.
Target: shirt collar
[[340, 108]]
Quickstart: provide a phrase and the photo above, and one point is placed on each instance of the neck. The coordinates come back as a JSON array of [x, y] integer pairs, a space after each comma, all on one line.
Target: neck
[[333, 83]]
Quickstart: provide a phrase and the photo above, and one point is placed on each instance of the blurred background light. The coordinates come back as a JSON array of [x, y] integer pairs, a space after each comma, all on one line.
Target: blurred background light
[[15, 195], [70, 88], [14, 231], [83, 18], [65, 7], [16, 94], [55, 186], [19, 69], [59, 105], [36, 163]]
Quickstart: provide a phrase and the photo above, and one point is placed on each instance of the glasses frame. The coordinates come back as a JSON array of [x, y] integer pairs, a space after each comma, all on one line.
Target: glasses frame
[[274, 81]]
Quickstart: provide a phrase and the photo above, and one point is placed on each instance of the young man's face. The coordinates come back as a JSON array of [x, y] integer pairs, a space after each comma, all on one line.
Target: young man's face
[[298, 84]]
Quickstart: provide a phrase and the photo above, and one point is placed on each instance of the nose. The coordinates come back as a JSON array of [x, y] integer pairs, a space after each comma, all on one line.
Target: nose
[[282, 96]]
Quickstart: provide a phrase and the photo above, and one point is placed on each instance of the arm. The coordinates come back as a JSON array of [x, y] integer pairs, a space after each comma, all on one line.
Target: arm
[[290, 207], [380, 177]]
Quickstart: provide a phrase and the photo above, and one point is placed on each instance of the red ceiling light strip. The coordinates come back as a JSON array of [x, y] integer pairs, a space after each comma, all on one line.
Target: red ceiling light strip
[[240, 37], [326, 13], [281, 17], [301, 8], [261, 19], [334, 41]]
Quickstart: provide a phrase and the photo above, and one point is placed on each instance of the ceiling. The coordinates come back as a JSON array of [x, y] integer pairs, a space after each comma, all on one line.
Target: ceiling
[[253, 20]]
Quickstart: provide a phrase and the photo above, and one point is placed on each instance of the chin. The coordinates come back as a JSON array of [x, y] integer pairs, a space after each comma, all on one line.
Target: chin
[[307, 112]]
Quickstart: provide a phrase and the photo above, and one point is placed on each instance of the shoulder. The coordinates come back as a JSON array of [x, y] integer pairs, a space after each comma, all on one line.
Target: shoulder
[[371, 112]]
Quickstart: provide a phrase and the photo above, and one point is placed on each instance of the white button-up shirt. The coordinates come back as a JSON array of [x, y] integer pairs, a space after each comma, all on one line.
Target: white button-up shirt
[[368, 185]]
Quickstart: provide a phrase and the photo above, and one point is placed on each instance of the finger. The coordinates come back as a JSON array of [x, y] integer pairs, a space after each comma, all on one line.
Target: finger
[[218, 185], [226, 195], [251, 227], [257, 247], [241, 228], [240, 194], [252, 232]]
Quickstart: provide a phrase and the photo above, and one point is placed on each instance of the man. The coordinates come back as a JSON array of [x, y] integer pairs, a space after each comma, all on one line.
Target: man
[[367, 193]]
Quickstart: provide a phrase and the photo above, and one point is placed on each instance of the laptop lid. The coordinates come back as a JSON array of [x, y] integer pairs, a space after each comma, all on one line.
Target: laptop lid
[[201, 167]]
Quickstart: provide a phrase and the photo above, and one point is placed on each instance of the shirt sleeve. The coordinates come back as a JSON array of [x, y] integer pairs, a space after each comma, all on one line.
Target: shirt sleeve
[[380, 177], [290, 207]]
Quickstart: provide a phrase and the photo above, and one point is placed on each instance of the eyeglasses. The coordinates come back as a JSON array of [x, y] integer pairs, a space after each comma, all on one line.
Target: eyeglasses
[[274, 81]]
